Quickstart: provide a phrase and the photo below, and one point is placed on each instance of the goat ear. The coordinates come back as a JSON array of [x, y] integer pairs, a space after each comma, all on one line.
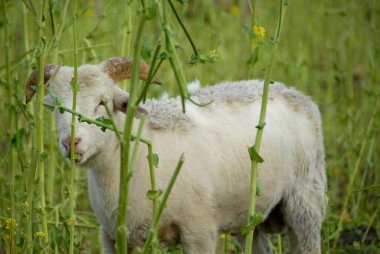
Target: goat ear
[[120, 102], [30, 89], [120, 68]]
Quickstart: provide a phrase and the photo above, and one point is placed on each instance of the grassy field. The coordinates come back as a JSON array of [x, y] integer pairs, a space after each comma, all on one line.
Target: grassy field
[[329, 50]]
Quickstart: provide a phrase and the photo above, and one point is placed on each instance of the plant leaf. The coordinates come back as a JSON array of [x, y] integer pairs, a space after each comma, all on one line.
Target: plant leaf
[[254, 155], [258, 190], [253, 222], [155, 159], [152, 194], [105, 121]]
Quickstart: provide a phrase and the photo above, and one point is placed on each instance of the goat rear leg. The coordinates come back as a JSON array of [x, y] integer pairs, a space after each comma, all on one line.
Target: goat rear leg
[[200, 238], [303, 211], [260, 244]]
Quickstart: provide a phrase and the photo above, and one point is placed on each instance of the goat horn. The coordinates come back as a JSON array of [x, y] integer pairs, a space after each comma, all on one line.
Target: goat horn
[[30, 90], [120, 68]]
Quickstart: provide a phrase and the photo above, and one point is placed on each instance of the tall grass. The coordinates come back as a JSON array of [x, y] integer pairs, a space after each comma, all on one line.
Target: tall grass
[[329, 50]]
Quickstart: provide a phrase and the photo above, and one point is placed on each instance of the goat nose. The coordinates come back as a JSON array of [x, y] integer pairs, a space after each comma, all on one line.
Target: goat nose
[[67, 143]]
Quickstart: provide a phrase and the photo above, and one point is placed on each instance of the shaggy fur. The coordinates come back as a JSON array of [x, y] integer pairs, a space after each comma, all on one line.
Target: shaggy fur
[[167, 113], [211, 193]]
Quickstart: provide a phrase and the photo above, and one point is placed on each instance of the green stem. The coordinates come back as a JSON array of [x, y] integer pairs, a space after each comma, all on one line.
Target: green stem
[[183, 27], [51, 160], [162, 205], [367, 187], [173, 58], [150, 76], [121, 227], [252, 10], [374, 216], [137, 143], [126, 41], [110, 115], [85, 47], [30, 188], [11, 118], [91, 49], [155, 198], [83, 118], [75, 88], [260, 129], [40, 119], [279, 240], [226, 235], [26, 33]]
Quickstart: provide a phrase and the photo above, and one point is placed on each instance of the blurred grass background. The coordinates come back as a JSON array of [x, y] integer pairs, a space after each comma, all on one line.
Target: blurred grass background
[[329, 50]]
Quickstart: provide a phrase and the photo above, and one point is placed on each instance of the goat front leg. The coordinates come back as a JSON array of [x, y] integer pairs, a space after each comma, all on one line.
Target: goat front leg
[[108, 243]]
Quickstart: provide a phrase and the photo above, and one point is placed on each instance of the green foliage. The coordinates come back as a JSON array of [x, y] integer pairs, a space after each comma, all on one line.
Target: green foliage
[[328, 50], [254, 155], [152, 194], [253, 222], [155, 160], [103, 120]]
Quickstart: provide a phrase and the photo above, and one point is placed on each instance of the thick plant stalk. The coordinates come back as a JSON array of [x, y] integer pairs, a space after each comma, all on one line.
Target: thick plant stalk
[[75, 89], [11, 119], [136, 145], [184, 28], [254, 151], [121, 227], [151, 74], [154, 228], [26, 34], [51, 163], [127, 32], [162, 204], [173, 57], [40, 119], [252, 10], [88, 120]]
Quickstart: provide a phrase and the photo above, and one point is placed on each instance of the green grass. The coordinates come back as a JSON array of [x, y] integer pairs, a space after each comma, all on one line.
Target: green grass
[[329, 50]]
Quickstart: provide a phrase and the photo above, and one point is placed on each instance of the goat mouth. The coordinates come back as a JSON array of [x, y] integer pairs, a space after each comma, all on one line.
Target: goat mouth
[[78, 157]]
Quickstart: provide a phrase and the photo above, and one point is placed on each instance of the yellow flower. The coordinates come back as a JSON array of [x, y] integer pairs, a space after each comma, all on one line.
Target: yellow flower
[[6, 236], [40, 234], [11, 224], [234, 9], [90, 12], [70, 222], [259, 31]]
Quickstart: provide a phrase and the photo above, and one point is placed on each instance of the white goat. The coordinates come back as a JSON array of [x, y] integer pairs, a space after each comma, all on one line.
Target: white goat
[[211, 193]]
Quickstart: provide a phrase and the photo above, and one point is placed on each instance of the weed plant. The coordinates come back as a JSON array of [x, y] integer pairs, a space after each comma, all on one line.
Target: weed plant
[[329, 50]]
